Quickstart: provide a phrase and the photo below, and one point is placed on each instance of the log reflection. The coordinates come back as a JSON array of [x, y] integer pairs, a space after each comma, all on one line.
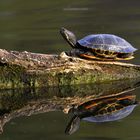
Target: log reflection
[[27, 102], [102, 109]]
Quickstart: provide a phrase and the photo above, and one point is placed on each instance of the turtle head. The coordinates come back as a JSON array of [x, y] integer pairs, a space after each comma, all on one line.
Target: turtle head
[[68, 36], [73, 125]]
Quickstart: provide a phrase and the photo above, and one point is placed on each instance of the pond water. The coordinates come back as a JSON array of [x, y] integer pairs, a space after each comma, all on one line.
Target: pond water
[[39, 114], [34, 26]]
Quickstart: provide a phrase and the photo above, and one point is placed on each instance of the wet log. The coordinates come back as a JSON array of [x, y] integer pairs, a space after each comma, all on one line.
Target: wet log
[[26, 69]]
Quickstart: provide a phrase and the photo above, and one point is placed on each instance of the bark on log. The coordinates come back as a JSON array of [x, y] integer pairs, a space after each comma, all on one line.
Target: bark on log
[[25, 69]]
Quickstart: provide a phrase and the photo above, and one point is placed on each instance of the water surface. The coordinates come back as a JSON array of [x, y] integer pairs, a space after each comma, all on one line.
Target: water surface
[[34, 26], [39, 114]]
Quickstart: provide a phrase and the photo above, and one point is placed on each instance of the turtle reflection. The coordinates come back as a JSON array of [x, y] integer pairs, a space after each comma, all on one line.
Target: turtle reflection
[[103, 109]]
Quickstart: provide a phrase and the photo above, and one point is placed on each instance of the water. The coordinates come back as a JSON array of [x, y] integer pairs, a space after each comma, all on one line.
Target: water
[[39, 114], [34, 26]]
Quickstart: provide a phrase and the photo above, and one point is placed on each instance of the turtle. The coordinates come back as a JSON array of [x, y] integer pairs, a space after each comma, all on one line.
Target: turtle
[[99, 46], [105, 109]]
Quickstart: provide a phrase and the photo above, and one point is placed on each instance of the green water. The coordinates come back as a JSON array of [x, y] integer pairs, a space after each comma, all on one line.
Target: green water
[[52, 126], [37, 113], [34, 26]]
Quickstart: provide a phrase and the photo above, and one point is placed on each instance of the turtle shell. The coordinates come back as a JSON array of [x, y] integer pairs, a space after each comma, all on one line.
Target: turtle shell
[[103, 109], [116, 115], [107, 42], [107, 108]]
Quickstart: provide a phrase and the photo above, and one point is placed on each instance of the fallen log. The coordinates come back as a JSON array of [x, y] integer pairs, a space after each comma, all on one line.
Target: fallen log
[[26, 69]]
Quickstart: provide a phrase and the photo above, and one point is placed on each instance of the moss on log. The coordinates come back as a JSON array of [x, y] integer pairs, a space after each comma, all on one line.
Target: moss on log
[[25, 69]]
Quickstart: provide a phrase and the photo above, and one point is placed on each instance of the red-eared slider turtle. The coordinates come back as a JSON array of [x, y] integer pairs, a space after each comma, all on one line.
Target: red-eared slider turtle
[[99, 46], [103, 109]]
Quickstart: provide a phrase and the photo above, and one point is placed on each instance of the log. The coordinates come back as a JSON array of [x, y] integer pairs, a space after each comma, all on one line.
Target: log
[[26, 69]]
